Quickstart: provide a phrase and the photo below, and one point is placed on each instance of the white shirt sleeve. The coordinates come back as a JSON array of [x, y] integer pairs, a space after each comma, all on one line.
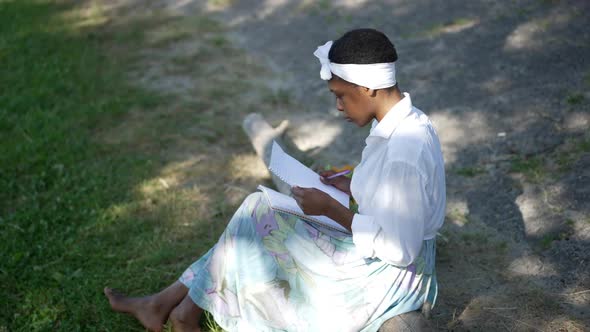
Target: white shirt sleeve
[[394, 230]]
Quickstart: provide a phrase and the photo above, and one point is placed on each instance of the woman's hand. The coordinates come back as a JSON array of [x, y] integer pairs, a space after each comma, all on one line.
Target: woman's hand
[[342, 183], [312, 201], [315, 202]]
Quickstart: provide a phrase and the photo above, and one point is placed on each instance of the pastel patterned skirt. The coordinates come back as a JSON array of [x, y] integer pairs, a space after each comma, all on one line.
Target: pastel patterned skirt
[[271, 271]]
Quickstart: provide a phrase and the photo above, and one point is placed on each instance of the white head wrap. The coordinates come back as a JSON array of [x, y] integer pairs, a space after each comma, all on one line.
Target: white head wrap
[[373, 76]]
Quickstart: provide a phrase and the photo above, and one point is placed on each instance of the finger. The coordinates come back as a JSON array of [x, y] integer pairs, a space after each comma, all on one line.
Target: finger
[[302, 191], [297, 193], [329, 182]]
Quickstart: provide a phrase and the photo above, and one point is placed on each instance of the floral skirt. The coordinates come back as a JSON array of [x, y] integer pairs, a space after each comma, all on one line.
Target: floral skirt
[[271, 271]]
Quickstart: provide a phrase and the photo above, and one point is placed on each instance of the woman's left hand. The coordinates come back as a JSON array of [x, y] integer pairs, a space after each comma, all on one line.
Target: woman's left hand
[[312, 201]]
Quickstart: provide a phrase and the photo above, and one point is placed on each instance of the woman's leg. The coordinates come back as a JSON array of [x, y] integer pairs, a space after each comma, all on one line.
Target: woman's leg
[[152, 311], [186, 316]]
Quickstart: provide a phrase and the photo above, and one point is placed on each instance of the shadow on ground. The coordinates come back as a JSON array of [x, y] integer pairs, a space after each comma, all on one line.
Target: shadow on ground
[[506, 85]]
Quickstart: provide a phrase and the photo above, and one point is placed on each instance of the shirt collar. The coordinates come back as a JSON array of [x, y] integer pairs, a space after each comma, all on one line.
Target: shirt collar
[[392, 118]]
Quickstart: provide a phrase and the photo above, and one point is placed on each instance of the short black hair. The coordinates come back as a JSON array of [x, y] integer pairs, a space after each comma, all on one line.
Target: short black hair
[[362, 46]]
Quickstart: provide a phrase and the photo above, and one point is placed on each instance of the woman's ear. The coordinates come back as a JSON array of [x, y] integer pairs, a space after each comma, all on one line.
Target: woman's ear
[[367, 91]]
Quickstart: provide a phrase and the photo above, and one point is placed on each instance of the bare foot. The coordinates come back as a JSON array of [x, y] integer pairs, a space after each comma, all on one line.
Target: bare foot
[[150, 314]]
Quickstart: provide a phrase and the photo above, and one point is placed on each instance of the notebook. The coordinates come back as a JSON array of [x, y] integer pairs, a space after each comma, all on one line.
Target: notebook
[[294, 173]]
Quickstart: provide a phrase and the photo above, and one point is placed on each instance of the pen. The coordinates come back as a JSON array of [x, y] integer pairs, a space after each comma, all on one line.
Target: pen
[[338, 174]]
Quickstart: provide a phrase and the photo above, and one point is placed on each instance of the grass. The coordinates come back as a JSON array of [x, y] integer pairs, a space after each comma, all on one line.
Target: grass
[[502, 246], [547, 241], [574, 99], [531, 167], [280, 97], [59, 230], [478, 239], [220, 3], [573, 150], [458, 216], [94, 168], [469, 171]]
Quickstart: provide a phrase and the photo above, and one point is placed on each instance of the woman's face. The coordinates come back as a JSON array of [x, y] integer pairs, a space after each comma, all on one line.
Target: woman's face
[[352, 100]]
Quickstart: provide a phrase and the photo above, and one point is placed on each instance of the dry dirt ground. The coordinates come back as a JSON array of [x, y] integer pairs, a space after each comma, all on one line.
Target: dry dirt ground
[[505, 82]]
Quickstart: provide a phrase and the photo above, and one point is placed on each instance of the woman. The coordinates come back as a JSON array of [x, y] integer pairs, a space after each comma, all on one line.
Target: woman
[[274, 272]]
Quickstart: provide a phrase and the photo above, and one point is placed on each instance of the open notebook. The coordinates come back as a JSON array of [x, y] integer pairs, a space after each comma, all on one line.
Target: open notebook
[[294, 173]]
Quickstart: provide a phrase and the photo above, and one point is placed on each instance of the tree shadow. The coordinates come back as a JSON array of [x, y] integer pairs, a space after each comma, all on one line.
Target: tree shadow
[[511, 77]]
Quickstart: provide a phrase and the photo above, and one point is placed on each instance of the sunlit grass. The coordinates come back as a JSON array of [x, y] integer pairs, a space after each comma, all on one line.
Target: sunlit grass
[[104, 182]]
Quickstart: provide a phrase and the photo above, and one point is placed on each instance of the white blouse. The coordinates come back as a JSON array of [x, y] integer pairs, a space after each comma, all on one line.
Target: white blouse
[[399, 186]]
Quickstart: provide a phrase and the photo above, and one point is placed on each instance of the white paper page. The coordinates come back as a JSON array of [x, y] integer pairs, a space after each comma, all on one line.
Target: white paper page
[[288, 204], [295, 173]]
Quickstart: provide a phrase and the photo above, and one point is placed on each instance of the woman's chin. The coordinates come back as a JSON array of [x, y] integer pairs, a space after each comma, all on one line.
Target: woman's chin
[[354, 121]]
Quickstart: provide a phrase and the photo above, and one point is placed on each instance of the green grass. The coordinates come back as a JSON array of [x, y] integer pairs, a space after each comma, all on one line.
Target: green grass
[[72, 218], [574, 149], [532, 168], [458, 216], [469, 171], [502, 246], [547, 241], [583, 146], [478, 239], [575, 99]]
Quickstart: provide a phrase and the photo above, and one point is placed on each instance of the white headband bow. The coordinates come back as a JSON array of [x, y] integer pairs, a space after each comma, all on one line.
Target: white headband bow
[[373, 76]]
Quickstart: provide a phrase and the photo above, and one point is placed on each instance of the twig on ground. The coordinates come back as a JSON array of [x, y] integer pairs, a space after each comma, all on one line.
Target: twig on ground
[[576, 293], [230, 186]]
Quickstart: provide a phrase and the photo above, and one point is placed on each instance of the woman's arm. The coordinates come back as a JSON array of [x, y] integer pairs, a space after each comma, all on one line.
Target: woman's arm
[[340, 214], [393, 229]]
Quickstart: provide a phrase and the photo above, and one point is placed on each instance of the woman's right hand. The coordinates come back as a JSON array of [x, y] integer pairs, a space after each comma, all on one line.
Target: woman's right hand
[[342, 183]]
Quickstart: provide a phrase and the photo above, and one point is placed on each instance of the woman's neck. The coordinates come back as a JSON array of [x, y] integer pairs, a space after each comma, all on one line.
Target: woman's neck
[[387, 99]]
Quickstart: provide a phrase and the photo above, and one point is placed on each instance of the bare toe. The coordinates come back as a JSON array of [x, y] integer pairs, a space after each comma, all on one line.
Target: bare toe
[[116, 300], [148, 313]]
